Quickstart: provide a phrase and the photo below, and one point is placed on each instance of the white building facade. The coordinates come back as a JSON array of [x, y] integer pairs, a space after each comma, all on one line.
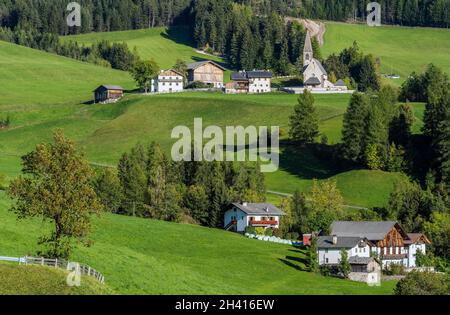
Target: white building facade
[[330, 247], [168, 81], [242, 215]]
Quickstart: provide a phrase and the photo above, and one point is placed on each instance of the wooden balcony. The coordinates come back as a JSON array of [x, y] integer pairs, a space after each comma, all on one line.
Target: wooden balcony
[[263, 223]]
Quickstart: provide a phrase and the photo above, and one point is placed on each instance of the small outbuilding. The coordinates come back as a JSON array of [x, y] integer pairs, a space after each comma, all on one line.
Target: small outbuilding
[[108, 94]]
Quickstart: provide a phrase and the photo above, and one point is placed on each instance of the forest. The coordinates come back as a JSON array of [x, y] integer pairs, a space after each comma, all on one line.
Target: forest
[[114, 15]]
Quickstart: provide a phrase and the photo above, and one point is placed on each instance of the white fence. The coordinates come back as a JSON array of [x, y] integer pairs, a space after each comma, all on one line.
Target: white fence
[[56, 263]]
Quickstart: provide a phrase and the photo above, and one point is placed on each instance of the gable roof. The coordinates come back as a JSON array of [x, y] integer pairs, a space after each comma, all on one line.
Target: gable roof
[[340, 83], [318, 63], [312, 81], [342, 242], [195, 65], [110, 87], [166, 72], [356, 260], [415, 238], [373, 231], [245, 75], [308, 45], [259, 209]]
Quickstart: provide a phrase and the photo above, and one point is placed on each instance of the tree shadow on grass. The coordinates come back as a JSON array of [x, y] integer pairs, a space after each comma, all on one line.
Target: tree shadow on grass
[[312, 161], [296, 262]]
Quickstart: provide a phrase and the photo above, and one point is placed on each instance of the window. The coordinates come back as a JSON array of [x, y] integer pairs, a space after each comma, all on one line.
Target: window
[[326, 260]]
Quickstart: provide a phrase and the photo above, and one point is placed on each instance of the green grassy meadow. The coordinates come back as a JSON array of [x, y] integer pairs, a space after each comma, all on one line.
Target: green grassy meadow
[[401, 49], [42, 92], [38, 280], [164, 45], [140, 256]]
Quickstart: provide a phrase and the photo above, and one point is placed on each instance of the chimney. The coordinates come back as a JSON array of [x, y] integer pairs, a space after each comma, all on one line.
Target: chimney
[[267, 209], [245, 204], [335, 239]]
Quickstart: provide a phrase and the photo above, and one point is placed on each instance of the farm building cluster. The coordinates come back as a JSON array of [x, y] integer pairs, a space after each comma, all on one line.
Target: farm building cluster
[[371, 246], [211, 75]]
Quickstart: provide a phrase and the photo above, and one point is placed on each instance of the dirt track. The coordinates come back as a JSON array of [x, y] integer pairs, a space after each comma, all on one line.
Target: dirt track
[[316, 29]]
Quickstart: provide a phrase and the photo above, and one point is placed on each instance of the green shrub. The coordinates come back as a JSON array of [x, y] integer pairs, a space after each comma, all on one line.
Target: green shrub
[[294, 236], [423, 283], [325, 270], [199, 85], [268, 232], [396, 270], [260, 230], [277, 233], [250, 230]]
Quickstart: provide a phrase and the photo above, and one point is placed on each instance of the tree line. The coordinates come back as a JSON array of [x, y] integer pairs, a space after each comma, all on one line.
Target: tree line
[[147, 183], [114, 15]]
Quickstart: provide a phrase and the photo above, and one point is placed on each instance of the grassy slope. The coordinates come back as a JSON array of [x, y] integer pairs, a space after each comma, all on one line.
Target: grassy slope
[[106, 131], [29, 76], [139, 256], [37, 280], [164, 45], [401, 49]]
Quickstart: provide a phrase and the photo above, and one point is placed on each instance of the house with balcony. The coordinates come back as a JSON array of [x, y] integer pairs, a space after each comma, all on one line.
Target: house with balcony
[[253, 82], [242, 215], [387, 239]]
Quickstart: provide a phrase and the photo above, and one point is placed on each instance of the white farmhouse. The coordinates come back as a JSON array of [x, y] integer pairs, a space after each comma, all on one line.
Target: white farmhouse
[[243, 215], [253, 82], [329, 248], [390, 242], [168, 81]]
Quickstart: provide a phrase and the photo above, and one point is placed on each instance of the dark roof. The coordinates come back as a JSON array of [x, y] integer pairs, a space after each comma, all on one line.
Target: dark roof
[[259, 74], [110, 87], [245, 75], [238, 76], [340, 83], [373, 231], [312, 81], [356, 260], [342, 242], [259, 208], [195, 65]]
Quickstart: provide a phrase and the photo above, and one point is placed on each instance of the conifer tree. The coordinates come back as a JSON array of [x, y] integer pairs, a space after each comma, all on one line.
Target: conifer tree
[[354, 131], [304, 122]]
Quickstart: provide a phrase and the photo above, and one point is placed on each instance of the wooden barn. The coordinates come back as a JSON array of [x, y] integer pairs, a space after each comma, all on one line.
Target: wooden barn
[[108, 93], [207, 72]]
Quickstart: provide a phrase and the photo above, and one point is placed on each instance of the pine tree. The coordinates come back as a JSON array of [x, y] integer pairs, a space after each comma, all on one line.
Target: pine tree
[[354, 128], [304, 122]]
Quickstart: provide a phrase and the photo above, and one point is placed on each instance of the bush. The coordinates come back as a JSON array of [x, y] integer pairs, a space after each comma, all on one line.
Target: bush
[[396, 270], [199, 85], [2, 181], [325, 270], [295, 236], [260, 230], [268, 232], [250, 230], [423, 283], [277, 233]]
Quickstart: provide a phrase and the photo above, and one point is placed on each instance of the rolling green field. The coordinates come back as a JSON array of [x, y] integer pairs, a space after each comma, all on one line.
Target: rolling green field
[[140, 256], [42, 92], [164, 45], [401, 49], [37, 280], [31, 77]]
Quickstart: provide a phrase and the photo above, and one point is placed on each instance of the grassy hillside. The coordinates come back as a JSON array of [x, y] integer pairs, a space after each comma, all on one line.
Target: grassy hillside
[[104, 132], [30, 77], [139, 256], [401, 49], [38, 280], [162, 44]]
